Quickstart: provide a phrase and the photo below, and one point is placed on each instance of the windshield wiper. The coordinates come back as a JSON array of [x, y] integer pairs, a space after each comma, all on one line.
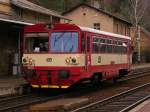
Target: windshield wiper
[[71, 49]]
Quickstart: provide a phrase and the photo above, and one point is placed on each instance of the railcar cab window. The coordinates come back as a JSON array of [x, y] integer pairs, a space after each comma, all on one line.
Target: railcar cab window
[[36, 42], [64, 42]]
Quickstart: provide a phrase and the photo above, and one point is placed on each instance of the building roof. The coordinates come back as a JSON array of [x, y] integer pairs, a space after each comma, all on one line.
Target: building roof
[[99, 10], [15, 21], [36, 8]]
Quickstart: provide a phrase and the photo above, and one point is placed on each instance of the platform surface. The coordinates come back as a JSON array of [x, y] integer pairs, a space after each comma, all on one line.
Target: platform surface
[[143, 107], [60, 105], [138, 66], [9, 85]]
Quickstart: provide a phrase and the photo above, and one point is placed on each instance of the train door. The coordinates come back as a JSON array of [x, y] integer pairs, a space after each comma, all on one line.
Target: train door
[[88, 52]]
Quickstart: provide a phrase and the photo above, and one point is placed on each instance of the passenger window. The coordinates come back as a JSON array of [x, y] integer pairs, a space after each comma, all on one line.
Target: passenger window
[[109, 48], [88, 43], [103, 48], [95, 48]]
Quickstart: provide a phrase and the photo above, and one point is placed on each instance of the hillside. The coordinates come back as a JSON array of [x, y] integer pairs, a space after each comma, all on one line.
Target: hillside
[[58, 5], [118, 7]]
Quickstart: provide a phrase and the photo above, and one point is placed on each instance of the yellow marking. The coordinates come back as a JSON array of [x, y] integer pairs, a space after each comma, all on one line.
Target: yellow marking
[[64, 87], [44, 86], [49, 86], [53, 86], [35, 86]]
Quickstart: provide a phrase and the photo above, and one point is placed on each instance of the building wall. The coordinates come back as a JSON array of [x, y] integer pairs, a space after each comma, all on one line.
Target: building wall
[[5, 7], [85, 16], [121, 28], [145, 46]]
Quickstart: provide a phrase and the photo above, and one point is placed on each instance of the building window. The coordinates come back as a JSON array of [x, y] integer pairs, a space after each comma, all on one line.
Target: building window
[[128, 31], [117, 28], [96, 26], [20, 13]]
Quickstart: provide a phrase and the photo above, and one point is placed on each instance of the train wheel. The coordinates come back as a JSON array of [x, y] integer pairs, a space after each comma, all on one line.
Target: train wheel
[[25, 89], [95, 80], [115, 80], [28, 90]]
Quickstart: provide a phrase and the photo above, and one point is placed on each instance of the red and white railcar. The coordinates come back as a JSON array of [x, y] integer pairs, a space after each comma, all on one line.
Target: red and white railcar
[[66, 54]]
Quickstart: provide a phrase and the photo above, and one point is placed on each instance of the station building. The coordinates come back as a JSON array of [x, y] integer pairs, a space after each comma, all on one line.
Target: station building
[[97, 18], [94, 16], [14, 15]]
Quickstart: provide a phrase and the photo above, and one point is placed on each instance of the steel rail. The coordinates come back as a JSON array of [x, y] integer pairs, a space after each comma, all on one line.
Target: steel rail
[[108, 102]]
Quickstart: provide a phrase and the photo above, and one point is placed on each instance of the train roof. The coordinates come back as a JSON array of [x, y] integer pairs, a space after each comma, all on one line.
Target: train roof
[[76, 27], [103, 32]]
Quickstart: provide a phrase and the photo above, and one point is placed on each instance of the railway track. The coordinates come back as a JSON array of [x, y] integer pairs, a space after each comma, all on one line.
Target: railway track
[[12, 104], [136, 74], [122, 102]]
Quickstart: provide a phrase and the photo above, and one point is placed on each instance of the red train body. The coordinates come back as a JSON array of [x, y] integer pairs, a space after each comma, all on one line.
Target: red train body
[[66, 54]]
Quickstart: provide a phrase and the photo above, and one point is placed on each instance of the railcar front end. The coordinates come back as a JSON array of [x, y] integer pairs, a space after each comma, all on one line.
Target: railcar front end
[[51, 58]]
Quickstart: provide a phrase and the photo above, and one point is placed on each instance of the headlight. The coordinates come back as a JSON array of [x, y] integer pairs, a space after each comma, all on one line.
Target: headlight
[[28, 61], [72, 61], [24, 60]]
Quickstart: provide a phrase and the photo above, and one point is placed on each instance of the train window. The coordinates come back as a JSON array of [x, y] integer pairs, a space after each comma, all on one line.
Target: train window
[[109, 41], [64, 42], [102, 40], [109, 48], [95, 48], [36, 42], [88, 43], [95, 40], [99, 40], [119, 43], [115, 42], [103, 48]]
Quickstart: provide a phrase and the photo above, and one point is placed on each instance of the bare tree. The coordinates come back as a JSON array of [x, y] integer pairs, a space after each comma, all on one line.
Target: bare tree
[[137, 11]]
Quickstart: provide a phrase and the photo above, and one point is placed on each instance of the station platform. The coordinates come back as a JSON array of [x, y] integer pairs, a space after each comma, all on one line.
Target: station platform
[[138, 66], [143, 107], [9, 84], [60, 105]]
